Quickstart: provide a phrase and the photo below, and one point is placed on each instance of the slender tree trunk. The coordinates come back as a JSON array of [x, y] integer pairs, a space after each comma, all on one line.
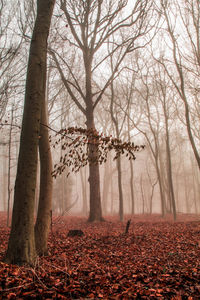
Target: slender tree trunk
[[43, 220], [111, 190], [84, 191], [164, 181], [142, 194], [108, 174], [21, 245], [151, 196], [187, 190], [106, 183], [119, 177], [131, 169], [169, 167], [119, 173], [131, 187], [162, 197]]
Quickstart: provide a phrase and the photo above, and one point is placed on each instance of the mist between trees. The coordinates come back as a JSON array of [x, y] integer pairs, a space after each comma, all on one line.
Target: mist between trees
[[126, 69]]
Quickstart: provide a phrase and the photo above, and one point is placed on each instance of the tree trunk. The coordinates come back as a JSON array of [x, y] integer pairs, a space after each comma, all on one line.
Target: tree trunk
[[108, 174], [9, 168], [162, 197], [94, 176], [121, 204], [84, 191], [43, 220], [21, 245], [106, 183], [142, 194], [169, 167], [131, 168], [132, 190], [94, 182], [4, 178], [164, 181], [119, 173]]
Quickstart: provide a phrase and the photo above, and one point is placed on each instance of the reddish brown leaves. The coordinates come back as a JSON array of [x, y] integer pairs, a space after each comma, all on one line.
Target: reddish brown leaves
[[75, 142], [155, 260]]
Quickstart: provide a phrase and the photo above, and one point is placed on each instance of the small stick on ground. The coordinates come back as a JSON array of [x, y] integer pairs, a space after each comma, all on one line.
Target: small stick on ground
[[127, 226]]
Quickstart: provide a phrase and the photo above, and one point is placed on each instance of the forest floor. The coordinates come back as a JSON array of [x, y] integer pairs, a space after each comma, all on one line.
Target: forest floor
[[157, 259]]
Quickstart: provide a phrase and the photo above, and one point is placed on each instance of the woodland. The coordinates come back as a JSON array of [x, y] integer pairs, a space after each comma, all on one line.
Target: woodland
[[99, 149]]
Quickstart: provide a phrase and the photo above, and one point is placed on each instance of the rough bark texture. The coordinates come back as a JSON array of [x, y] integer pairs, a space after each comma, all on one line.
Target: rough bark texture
[[94, 183], [21, 245], [43, 221], [94, 177]]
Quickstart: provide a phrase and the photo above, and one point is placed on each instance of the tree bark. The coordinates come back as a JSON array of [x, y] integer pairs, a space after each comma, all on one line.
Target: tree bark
[[94, 182], [21, 245], [131, 169], [84, 191], [121, 201], [94, 176], [43, 220], [9, 168], [162, 195], [169, 165]]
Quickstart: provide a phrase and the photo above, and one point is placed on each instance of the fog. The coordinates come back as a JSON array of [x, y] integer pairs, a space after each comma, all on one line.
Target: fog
[[144, 90]]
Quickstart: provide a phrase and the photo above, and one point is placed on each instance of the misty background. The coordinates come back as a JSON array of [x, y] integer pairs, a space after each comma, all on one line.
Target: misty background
[[152, 100]]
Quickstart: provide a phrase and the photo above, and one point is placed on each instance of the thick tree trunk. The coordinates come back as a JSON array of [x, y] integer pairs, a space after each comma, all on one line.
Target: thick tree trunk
[[5, 170], [21, 245], [94, 177], [9, 168], [95, 199], [43, 220], [94, 182]]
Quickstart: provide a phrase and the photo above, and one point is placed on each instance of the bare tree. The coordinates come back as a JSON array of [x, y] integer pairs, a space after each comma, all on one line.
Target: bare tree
[[91, 24], [183, 66], [161, 86], [115, 119], [21, 245], [9, 50]]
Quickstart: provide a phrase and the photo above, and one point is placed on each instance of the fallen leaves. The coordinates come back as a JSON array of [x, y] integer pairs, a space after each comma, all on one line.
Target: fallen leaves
[[156, 260]]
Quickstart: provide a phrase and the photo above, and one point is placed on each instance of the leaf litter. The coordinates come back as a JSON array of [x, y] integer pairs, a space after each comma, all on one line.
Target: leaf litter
[[157, 259]]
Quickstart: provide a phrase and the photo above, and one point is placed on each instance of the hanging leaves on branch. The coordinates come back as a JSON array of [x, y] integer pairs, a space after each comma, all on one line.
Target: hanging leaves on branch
[[76, 142]]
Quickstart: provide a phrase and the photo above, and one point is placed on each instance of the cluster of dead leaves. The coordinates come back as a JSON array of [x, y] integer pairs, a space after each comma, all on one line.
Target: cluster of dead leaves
[[156, 260], [75, 143]]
